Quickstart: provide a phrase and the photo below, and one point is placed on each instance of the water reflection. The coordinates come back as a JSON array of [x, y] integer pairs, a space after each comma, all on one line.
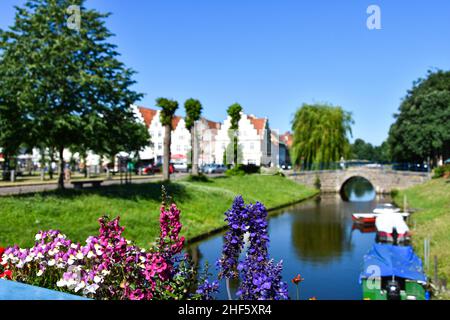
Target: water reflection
[[357, 189], [318, 233], [316, 239]]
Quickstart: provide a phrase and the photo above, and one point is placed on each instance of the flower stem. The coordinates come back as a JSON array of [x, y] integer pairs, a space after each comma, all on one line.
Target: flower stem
[[228, 289]]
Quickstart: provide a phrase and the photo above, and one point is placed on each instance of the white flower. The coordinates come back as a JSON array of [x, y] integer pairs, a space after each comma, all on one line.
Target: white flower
[[142, 258], [71, 284], [92, 288], [80, 255], [98, 279], [99, 252], [90, 254], [73, 246], [51, 262], [28, 258], [105, 272], [40, 273], [38, 237], [61, 283], [80, 286], [39, 255]]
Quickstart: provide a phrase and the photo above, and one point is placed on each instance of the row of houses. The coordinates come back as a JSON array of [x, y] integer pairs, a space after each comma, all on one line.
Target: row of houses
[[258, 143]]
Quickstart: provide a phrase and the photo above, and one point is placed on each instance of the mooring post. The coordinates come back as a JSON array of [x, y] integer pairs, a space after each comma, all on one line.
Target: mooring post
[[435, 270]]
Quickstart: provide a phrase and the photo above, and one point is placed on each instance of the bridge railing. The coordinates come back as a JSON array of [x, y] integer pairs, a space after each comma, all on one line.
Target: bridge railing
[[343, 165]]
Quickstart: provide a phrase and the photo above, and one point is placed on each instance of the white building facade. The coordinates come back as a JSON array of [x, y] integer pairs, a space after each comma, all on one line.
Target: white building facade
[[254, 142], [180, 138]]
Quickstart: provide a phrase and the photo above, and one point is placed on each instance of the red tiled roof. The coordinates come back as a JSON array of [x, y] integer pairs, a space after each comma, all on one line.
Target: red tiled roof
[[287, 138], [147, 114], [258, 123], [175, 121], [212, 124]]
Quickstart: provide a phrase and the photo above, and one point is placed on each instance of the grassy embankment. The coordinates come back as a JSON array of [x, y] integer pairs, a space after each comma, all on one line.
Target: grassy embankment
[[75, 212], [432, 220]]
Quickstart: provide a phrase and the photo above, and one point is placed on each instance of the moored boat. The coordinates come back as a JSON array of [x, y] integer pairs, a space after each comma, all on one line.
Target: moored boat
[[392, 228], [370, 218], [393, 273]]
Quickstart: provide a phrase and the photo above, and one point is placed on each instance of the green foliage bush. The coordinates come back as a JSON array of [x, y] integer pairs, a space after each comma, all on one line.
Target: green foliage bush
[[243, 169], [317, 183], [441, 171], [200, 178]]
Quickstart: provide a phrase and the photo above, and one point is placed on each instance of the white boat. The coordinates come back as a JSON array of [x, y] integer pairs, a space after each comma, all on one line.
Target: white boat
[[392, 228], [385, 208], [370, 218]]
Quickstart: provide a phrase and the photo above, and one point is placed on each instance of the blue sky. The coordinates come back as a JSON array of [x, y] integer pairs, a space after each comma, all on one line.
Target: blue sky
[[273, 55]]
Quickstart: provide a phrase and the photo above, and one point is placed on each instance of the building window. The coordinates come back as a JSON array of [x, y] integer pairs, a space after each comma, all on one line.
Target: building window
[[159, 146], [178, 148], [159, 133], [252, 146]]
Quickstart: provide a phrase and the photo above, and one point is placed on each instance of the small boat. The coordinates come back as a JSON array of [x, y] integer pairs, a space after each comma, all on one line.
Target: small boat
[[392, 228], [393, 273], [370, 218], [385, 208]]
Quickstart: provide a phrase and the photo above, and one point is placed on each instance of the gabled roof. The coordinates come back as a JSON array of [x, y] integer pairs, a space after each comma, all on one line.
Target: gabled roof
[[148, 115], [287, 138], [258, 123], [212, 124], [175, 121]]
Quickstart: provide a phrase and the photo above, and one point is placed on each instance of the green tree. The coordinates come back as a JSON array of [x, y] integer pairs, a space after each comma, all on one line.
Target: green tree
[[362, 150], [234, 112], [422, 126], [320, 135], [168, 108], [193, 109], [70, 77]]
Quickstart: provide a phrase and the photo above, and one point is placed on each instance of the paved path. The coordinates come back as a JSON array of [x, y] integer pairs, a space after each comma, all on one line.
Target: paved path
[[5, 191]]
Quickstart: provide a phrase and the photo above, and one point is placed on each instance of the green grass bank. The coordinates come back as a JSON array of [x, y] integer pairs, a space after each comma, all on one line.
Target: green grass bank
[[75, 212], [432, 219]]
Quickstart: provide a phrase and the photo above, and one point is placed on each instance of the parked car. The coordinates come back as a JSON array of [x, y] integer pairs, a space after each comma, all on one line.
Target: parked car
[[180, 167], [215, 168], [156, 168]]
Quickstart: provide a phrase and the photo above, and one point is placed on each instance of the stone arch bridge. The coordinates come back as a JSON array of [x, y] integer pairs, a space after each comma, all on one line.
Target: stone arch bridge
[[383, 180]]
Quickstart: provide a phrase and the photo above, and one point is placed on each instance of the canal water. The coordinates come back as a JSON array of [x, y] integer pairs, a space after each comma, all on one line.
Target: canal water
[[316, 239]]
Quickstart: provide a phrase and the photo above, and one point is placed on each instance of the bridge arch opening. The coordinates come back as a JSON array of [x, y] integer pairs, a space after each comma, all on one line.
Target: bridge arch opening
[[357, 189]]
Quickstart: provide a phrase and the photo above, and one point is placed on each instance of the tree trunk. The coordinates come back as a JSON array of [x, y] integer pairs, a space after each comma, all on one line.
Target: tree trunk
[[5, 167], [167, 141], [194, 151], [61, 168]]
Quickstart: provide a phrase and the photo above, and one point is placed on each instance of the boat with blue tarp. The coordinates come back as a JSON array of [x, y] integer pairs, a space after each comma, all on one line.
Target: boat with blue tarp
[[393, 273]]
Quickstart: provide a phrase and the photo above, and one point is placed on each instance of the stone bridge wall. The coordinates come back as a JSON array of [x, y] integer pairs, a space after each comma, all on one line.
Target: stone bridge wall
[[383, 180]]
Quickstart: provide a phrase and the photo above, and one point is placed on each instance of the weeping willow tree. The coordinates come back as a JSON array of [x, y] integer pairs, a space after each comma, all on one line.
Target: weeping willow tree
[[320, 136]]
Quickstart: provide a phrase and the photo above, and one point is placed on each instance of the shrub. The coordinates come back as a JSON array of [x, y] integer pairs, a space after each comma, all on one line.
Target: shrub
[[441, 171], [243, 169], [200, 178], [317, 183]]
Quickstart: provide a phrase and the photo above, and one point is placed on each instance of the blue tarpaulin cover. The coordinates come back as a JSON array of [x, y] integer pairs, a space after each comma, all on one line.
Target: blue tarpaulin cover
[[385, 260]]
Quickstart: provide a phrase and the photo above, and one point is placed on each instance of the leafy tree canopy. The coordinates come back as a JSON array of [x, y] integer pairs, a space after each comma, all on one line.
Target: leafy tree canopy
[[193, 112], [168, 108], [320, 135], [422, 126], [66, 81]]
